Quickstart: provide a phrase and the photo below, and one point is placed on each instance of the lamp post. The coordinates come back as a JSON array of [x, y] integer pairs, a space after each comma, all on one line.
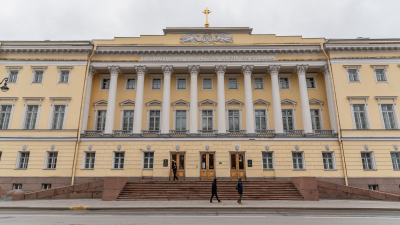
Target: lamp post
[[4, 88]]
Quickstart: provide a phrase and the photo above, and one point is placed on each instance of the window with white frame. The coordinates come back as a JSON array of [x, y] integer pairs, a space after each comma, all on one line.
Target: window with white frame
[[284, 83], [180, 120], [119, 160], [154, 120], [310, 81], [51, 161], [31, 117], [101, 119], [17, 187], [64, 76], [380, 75], [128, 120], [105, 83], [315, 119], [395, 160], [89, 159], [130, 84], [13, 76], [328, 159], [261, 120], [38, 76], [207, 83], [58, 117], [156, 84], [368, 160], [298, 160], [22, 160], [360, 116], [46, 186], [258, 83], [268, 160], [148, 160], [287, 119], [207, 119], [233, 120], [5, 115], [232, 83], [353, 74], [181, 83], [388, 116]]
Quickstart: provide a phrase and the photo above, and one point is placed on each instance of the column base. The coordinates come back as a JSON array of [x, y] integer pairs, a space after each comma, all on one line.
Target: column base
[[165, 135]]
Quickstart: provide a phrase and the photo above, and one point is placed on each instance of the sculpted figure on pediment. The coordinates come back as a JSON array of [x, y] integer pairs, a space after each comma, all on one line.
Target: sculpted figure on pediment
[[224, 38], [190, 38]]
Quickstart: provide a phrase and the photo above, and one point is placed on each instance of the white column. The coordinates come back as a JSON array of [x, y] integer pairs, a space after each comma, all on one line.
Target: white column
[[329, 96], [88, 92], [194, 71], [220, 71], [276, 98], [138, 113], [248, 99], [166, 104], [305, 104], [112, 94]]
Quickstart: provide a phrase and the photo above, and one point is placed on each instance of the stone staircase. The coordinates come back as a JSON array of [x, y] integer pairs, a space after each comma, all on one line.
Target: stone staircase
[[201, 190]]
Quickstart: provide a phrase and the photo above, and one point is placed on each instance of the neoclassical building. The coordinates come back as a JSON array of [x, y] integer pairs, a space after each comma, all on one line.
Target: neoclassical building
[[216, 102]]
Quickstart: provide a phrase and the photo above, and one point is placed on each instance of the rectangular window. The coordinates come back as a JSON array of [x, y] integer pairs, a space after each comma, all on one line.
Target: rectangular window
[[130, 84], [38, 77], [268, 160], [17, 187], [46, 186], [101, 119], [180, 120], [368, 160], [261, 120], [5, 115], [380, 75], [207, 83], [148, 159], [119, 159], [258, 83], [287, 117], [373, 187], [353, 75], [315, 119], [232, 83], [181, 84], [64, 76], [128, 120], [359, 116], [298, 160], [23, 160], [105, 83], [328, 160], [395, 160], [0, 154], [284, 82], [310, 82], [89, 160], [51, 160], [233, 118], [13, 76], [58, 117], [154, 120], [388, 116], [31, 117], [156, 84], [207, 120]]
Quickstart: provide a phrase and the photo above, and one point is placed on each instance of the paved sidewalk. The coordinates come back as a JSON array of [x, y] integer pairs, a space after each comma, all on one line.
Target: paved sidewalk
[[97, 204]]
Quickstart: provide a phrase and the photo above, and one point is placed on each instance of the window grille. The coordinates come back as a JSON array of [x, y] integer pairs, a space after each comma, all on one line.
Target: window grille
[[395, 160], [388, 116], [64, 77], [130, 84], [58, 117], [284, 82], [328, 161]]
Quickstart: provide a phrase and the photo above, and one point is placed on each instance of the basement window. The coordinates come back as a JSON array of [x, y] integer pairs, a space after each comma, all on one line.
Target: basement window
[[373, 187], [46, 186], [17, 187]]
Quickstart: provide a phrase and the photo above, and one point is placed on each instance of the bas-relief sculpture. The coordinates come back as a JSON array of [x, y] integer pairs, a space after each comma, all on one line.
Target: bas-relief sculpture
[[207, 38]]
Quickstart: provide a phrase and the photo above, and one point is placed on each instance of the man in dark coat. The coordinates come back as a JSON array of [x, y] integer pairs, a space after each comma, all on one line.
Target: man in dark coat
[[240, 190], [214, 190], [174, 169]]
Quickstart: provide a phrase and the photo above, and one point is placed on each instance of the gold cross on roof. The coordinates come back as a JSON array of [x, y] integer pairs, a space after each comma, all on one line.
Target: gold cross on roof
[[206, 12]]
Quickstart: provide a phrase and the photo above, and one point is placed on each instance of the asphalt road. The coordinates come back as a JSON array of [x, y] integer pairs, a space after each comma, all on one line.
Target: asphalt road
[[208, 217]]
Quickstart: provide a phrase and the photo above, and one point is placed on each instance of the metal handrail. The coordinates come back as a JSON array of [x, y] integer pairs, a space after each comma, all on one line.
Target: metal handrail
[[122, 133], [207, 133], [151, 133], [236, 133], [179, 133], [324, 132], [94, 133], [265, 133], [295, 133]]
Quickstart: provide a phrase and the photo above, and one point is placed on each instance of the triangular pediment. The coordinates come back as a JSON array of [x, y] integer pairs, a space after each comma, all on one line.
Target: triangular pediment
[[101, 102], [260, 102], [127, 102], [288, 102], [154, 103], [180, 102], [315, 102], [207, 102], [234, 102]]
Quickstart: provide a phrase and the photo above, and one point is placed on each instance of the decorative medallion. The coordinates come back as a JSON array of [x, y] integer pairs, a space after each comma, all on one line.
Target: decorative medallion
[[207, 147], [148, 147], [267, 148], [366, 148], [52, 147], [177, 147], [90, 147], [119, 147], [206, 39], [396, 148], [237, 147], [24, 147], [297, 147], [327, 148]]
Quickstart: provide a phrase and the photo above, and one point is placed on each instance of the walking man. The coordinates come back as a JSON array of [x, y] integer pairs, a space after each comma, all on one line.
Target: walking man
[[240, 190], [174, 170], [214, 190]]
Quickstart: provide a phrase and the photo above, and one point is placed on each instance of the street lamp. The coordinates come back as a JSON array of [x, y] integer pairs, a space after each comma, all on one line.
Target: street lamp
[[4, 88]]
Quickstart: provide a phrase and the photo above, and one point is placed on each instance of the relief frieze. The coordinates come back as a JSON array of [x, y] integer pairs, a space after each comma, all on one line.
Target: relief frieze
[[207, 58]]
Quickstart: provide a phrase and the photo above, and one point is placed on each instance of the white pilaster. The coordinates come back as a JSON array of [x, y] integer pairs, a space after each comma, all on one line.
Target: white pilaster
[[194, 71], [329, 95], [220, 71], [166, 104], [112, 94], [138, 113], [248, 98], [305, 104], [276, 98], [88, 92]]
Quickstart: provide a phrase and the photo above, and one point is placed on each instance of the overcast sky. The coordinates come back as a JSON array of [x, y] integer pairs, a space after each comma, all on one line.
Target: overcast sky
[[106, 19]]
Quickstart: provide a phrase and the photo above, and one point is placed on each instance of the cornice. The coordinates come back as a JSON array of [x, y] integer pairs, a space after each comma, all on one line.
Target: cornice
[[40, 49], [352, 47]]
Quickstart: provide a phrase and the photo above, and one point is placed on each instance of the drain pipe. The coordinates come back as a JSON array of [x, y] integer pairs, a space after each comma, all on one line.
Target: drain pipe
[[81, 114], [336, 112]]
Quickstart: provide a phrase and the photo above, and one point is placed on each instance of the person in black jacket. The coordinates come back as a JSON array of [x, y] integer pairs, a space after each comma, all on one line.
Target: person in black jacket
[[240, 190], [214, 190], [174, 170]]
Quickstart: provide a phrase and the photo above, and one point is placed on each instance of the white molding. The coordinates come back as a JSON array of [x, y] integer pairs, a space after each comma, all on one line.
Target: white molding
[[42, 62], [273, 160], [38, 68], [207, 76], [102, 77], [384, 67], [312, 75], [394, 98], [333, 159], [356, 67], [365, 98], [9, 68], [60, 68], [282, 75], [181, 76], [130, 76], [13, 99], [50, 124], [156, 76], [236, 76], [208, 139], [262, 80], [40, 99], [303, 159]]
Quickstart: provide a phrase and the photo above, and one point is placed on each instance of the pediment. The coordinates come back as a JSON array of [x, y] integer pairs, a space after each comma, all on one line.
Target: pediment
[[101, 102], [315, 102], [207, 102], [260, 102], [127, 102], [154, 103], [288, 102], [234, 102], [180, 102]]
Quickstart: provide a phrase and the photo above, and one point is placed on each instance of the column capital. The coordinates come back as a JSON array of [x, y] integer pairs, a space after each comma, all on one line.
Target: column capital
[[220, 69], [325, 70], [247, 69], [92, 71], [194, 69], [114, 70], [274, 69], [167, 69], [301, 69], [141, 70]]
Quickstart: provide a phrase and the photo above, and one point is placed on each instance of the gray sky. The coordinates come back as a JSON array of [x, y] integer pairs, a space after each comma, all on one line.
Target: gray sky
[[105, 19]]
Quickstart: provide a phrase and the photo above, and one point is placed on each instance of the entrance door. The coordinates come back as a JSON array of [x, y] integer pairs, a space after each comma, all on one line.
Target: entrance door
[[179, 160], [207, 166], [238, 166]]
